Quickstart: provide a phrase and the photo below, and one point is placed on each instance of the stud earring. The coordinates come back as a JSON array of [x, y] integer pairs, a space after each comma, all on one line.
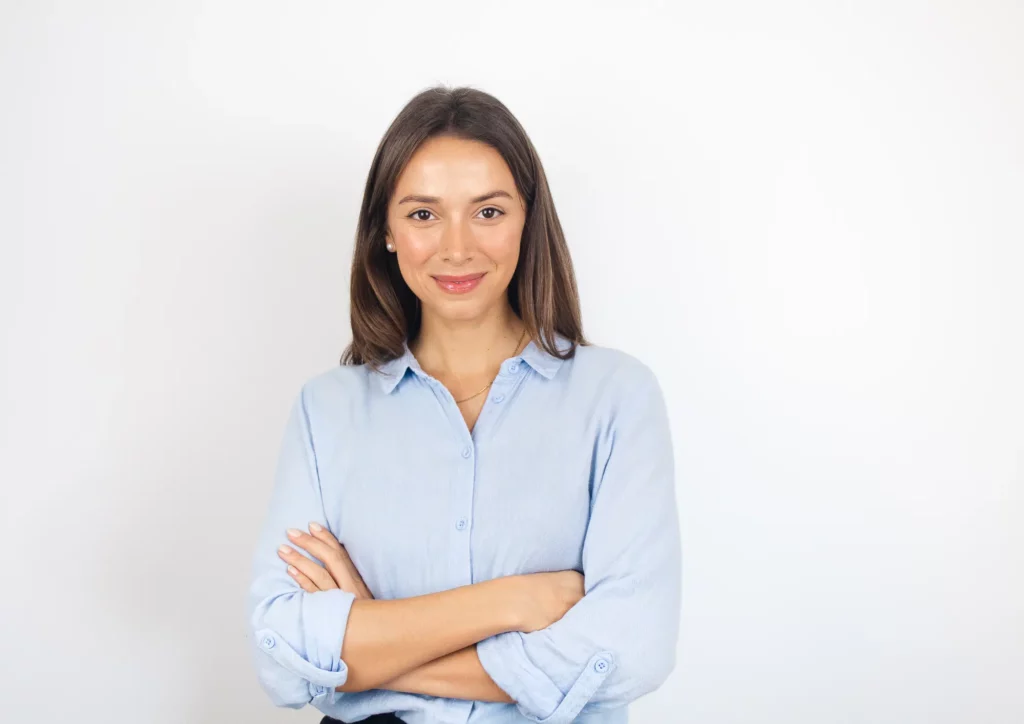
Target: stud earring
[[391, 247]]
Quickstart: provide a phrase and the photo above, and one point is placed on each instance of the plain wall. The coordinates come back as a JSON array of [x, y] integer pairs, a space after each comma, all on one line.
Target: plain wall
[[806, 217]]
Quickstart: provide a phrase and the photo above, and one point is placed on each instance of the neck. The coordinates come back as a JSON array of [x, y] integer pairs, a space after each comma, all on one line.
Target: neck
[[468, 348]]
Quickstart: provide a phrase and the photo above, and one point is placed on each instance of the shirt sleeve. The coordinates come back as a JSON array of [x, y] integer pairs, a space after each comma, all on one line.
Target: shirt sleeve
[[296, 637], [619, 642]]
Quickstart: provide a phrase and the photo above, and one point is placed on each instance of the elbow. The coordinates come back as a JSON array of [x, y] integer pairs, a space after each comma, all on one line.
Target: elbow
[[282, 686], [283, 689], [650, 670], [279, 686], [637, 673], [663, 668]]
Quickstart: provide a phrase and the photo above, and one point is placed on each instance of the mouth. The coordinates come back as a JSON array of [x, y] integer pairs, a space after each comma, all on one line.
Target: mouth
[[459, 284]]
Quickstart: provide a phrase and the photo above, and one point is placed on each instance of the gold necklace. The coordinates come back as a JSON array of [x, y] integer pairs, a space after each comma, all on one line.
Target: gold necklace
[[475, 394]]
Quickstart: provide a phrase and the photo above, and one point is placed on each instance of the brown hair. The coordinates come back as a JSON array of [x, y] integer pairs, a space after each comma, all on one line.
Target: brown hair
[[384, 311]]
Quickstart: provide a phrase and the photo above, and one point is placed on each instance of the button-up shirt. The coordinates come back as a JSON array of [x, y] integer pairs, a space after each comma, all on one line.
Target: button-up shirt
[[568, 466]]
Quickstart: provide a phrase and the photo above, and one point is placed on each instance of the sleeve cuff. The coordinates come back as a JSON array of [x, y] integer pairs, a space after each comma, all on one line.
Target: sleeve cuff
[[315, 652], [537, 697]]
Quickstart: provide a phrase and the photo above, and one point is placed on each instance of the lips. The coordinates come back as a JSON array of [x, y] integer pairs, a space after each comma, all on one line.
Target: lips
[[463, 278], [458, 284]]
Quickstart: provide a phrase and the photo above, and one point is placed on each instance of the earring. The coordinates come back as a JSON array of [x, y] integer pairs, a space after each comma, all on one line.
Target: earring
[[391, 247]]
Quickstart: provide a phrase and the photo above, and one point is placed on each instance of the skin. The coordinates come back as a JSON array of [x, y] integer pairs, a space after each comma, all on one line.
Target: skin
[[455, 211]]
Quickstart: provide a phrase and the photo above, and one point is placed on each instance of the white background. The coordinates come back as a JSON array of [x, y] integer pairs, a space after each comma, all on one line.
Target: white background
[[806, 217]]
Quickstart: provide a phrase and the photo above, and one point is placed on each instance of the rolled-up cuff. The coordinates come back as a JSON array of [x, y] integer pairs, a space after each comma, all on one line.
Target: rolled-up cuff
[[506, 661], [313, 650]]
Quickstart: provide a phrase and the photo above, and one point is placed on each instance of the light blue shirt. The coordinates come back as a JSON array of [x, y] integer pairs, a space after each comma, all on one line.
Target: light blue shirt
[[569, 466]]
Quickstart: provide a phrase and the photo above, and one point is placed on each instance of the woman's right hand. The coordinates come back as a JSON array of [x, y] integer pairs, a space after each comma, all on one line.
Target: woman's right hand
[[548, 597]]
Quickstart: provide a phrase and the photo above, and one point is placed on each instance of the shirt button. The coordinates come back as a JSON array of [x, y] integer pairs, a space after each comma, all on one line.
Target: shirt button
[[461, 525], [513, 368], [268, 642], [466, 452], [601, 666], [498, 398]]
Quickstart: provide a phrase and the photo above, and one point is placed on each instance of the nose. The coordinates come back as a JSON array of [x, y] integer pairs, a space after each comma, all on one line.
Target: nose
[[456, 243]]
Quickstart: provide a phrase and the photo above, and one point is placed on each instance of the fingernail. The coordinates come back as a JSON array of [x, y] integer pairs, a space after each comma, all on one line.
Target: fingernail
[[284, 549], [315, 527], [292, 533], [291, 570]]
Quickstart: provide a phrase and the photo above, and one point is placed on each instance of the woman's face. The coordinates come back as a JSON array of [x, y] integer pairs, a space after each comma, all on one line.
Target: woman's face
[[455, 221]]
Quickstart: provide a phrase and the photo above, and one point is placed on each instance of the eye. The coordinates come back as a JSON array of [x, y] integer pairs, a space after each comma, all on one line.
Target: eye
[[489, 212], [497, 212]]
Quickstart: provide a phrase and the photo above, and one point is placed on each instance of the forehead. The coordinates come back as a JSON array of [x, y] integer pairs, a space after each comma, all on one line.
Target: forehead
[[454, 167]]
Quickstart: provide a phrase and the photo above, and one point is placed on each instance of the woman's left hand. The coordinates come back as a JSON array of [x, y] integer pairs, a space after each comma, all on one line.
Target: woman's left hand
[[337, 570]]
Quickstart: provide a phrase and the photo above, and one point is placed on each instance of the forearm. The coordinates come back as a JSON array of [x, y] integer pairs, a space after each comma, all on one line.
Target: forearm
[[458, 675], [387, 638]]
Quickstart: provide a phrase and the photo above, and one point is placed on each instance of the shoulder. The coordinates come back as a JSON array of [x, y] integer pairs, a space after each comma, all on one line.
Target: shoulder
[[335, 388], [621, 390], [612, 368]]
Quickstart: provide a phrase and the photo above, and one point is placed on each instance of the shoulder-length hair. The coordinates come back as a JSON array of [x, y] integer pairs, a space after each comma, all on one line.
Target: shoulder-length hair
[[385, 314]]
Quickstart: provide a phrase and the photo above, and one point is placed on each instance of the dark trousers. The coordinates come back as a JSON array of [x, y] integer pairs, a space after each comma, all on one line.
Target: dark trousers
[[375, 719]]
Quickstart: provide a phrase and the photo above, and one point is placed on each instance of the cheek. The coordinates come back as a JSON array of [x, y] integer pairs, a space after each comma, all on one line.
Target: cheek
[[417, 248], [502, 247]]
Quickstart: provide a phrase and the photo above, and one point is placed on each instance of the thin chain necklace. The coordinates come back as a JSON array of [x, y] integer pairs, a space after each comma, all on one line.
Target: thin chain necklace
[[475, 394]]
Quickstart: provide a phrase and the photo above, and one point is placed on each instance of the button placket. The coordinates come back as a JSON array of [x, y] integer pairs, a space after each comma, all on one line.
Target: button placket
[[461, 502], [467, 453]]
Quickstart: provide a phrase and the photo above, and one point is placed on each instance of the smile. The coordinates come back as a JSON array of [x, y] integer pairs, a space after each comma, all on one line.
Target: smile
[[459, 284]]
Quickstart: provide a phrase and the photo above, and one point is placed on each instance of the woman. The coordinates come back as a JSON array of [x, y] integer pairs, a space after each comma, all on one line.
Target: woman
[[473, 517]]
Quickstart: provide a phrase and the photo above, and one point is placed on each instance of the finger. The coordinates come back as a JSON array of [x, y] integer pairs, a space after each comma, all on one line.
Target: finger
[[302, 579], [314, 546], [321, 533], [311, 569], [346, 560], [359, 584]]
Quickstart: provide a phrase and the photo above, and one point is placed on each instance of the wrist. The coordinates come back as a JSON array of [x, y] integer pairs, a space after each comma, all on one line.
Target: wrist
[[510, 597]]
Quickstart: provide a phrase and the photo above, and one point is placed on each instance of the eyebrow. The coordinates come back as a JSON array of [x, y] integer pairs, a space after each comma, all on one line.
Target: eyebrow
[[437, 200]]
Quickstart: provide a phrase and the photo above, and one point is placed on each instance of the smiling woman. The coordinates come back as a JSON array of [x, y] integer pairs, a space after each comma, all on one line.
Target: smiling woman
[[433, 553]]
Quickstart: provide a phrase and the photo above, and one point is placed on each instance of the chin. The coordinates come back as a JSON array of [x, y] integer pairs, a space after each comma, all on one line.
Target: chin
[[459, 310]]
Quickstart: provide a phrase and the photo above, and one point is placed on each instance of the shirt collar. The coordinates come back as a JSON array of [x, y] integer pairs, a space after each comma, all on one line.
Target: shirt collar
[[394, 371]]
